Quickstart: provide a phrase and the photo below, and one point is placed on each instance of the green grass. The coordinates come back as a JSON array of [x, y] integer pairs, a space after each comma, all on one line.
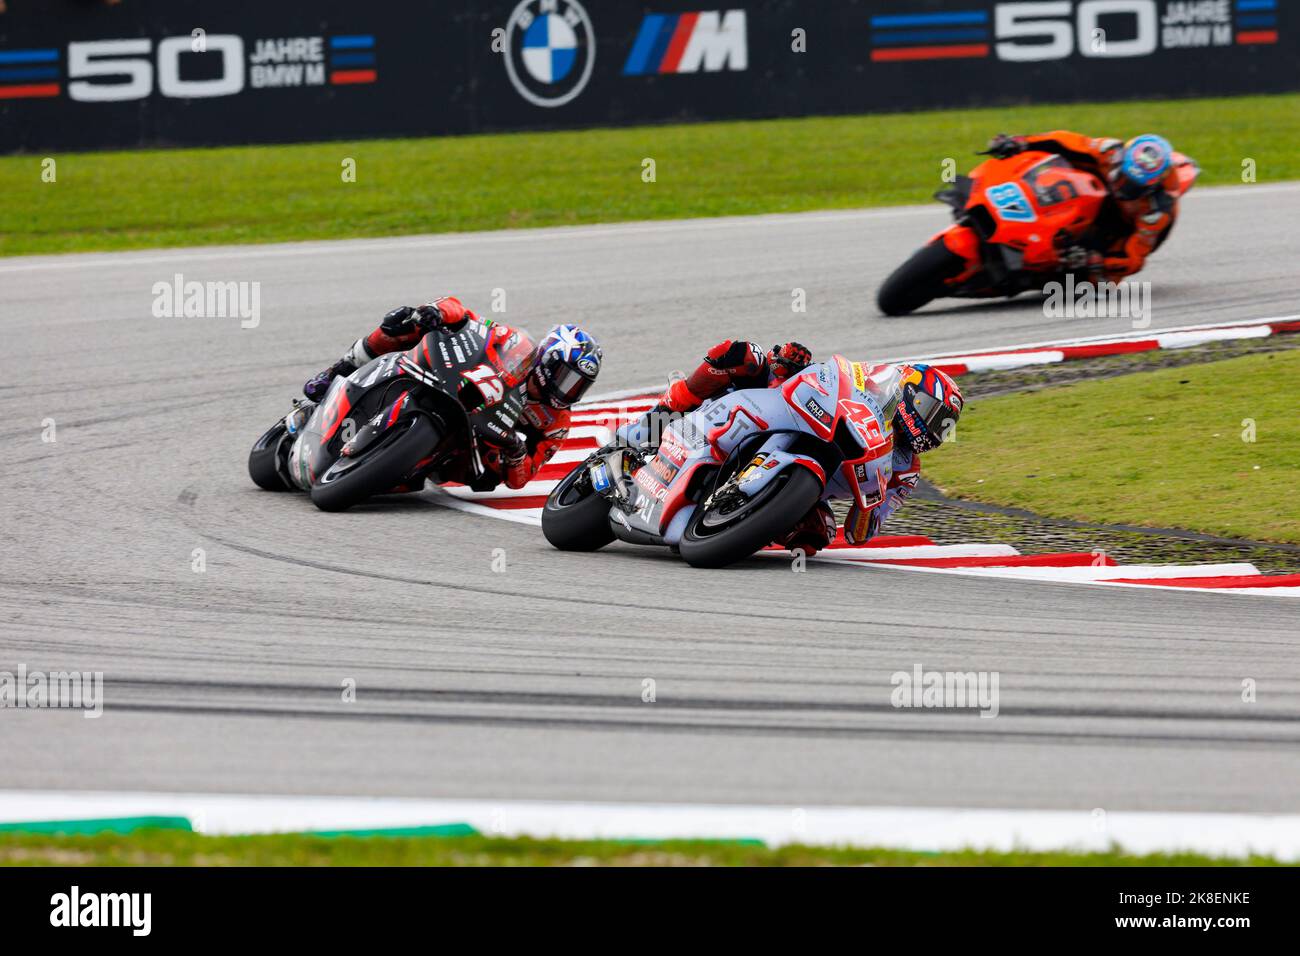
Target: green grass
[[181, 848], [121, 200], [1161, 449]]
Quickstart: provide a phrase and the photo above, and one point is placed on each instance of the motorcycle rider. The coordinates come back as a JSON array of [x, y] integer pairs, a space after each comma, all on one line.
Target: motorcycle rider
[[925, 409], [1142, 177], [562, 367]]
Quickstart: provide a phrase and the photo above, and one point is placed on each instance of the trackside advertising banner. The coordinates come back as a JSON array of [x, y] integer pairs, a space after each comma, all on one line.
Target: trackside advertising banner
[[83, 74]]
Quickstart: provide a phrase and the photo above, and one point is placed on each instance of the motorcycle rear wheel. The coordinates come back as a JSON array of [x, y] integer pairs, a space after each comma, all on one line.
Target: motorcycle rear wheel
[[795, 491], [349, 481], [574, 520], [919, 280]]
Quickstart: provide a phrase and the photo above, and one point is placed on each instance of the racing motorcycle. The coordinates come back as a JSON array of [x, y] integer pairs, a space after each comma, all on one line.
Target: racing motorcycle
[[1019, 224], [420, 414], [737, 473]]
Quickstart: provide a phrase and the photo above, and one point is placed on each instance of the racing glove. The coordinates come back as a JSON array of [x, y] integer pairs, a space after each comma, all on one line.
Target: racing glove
[[789, 359], [398, 321], [509, 462], [1003, 145], [446, 312], [515, 466]]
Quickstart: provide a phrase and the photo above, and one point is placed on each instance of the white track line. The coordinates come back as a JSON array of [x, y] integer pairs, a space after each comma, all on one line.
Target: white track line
[[532, 516], [1249, 325], [865, 555], [1143, 571], [994, 363], [1253, 592]]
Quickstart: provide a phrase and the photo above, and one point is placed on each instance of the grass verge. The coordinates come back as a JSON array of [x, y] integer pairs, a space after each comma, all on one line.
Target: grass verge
[[151, 198], [159, 847], [1208, 448]]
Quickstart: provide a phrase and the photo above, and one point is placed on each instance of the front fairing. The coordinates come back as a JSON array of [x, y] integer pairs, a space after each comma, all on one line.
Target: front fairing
[[1030, 205], [655, 503], [312, 452], [482, 366], [348, 404], [861, 400]]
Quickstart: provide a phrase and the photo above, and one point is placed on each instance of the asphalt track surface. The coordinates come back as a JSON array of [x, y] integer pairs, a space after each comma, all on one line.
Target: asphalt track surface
[[771, 687]]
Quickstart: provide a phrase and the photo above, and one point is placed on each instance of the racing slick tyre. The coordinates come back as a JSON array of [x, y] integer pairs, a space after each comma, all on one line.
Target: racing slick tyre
[[575, 518], [264, 461], [723, 534], [378, 468], [919, 280]]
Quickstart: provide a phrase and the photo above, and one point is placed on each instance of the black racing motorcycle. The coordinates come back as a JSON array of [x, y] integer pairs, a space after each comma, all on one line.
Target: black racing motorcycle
[[401, 419]]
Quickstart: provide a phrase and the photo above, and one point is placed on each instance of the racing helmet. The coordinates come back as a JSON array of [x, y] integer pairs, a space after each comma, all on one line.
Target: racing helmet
[[568, 361], [929, 404], [1142, 165]]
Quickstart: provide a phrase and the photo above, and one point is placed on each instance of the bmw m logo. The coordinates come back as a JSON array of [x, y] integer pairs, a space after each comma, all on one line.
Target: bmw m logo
[[550, 49]]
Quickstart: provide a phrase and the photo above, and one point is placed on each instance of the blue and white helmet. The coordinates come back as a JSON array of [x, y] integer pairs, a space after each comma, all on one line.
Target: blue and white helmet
[[1145, 162], [568, 361]]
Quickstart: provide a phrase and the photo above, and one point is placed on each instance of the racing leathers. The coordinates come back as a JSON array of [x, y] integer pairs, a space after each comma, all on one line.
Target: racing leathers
[[1129, 230], [541, 427], [734, 364]]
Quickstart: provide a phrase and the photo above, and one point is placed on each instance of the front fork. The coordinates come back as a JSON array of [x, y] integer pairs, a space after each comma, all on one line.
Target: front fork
[[295, 423], [961, 240], [771, 459], [610, 472], [371, 430]]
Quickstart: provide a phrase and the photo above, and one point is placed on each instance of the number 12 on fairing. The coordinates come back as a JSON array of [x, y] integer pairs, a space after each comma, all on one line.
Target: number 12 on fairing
[[489, 383]]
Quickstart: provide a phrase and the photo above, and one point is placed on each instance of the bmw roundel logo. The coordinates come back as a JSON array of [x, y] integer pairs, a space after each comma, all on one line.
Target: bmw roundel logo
[[550, 50]]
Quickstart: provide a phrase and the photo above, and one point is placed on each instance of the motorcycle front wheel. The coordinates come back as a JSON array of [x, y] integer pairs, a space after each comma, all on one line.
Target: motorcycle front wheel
[[723, 534], [919, 280], [264, 459], [381, 467], [575, 518]]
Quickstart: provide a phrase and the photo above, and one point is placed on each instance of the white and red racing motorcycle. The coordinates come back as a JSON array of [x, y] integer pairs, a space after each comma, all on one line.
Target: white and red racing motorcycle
[[737, 473]]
